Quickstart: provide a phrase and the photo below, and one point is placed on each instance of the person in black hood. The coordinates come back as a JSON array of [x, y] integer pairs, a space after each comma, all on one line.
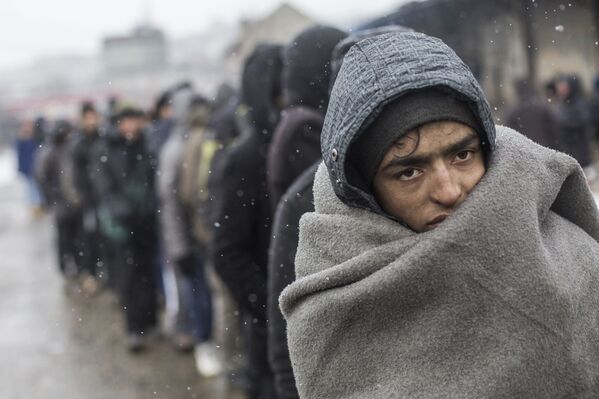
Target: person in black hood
[[242, 210], [296, 201], [127, 217], [162, 123], [224, 126], [573, 119], [306, 76], [49, 168], [79, 175], [163, 120], [532, 117]]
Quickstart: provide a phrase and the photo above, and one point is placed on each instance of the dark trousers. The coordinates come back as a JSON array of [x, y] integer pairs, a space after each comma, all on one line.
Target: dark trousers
[[136, 279], [91, 259], [196, 303], [68, 229], [260, 378]]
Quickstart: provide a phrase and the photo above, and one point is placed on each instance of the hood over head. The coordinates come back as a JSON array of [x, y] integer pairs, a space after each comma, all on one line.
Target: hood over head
[[307, 66], [61, 129], [224, 95], [199, 113], [377, 71], [261, 87], [344, 45]]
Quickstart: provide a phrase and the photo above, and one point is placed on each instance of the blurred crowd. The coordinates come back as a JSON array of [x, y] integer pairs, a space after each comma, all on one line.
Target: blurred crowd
[[190, 211], [562, 117]]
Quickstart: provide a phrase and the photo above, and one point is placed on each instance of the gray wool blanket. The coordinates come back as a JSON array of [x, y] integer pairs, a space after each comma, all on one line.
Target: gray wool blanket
[[500, 301]]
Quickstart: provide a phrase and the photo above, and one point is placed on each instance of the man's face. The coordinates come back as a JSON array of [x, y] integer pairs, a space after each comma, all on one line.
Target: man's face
[[428, 173], [89, 122], [562, 88], [165, 112], [130, 127]]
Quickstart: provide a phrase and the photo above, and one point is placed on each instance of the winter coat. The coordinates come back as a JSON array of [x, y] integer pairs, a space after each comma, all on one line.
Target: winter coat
[[80, 173], [26, 150], [242, 215], [281, 272], [295, 146], [306, 78], [124, 186], [157, 135], [49, 174], [224, 123], [195, 187], [174, 218]]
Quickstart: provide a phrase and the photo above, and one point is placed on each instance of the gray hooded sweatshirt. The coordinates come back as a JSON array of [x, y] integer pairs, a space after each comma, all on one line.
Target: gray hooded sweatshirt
[[500, 301]]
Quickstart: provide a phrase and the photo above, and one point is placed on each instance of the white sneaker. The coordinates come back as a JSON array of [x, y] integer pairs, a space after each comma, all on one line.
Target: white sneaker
[[208, 361]]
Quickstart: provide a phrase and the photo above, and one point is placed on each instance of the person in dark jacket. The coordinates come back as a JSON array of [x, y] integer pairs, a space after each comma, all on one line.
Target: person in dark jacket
[[49, 174], [27, 144], [182, 248], [242, 210], [223, 123], [281, 272], [162, 124], [573, 119], [127, 215], [533, 117], [306, 77], [80, 189], [297, 200]]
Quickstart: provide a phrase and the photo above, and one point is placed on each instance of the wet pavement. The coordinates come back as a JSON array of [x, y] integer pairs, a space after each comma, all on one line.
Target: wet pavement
[[59, 345]]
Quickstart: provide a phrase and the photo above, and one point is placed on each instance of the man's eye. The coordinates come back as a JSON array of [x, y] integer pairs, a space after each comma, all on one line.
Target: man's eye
[[409, 174], [464, 155]]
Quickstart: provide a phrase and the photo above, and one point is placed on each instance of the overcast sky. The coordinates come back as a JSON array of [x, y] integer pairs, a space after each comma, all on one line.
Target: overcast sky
[[30, 29]]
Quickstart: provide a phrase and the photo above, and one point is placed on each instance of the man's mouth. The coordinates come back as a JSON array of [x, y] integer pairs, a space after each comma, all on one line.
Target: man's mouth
[[439, 219]]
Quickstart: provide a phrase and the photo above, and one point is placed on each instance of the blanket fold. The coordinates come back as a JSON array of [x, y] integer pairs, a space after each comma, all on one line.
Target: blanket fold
[[499, 301]]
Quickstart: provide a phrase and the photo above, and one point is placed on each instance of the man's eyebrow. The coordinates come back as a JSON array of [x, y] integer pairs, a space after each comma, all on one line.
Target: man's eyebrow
[[466, 141], [412, 160]]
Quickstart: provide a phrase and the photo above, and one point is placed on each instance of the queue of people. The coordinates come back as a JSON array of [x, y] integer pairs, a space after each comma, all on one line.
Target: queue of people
[[562, 119], [312, 214]]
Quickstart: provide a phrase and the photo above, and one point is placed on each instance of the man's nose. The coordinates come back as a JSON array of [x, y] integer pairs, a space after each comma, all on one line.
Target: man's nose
[[446, 190]]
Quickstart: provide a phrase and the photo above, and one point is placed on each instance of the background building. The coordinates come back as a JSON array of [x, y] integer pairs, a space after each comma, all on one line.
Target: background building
[[505, 40], [145, 48]]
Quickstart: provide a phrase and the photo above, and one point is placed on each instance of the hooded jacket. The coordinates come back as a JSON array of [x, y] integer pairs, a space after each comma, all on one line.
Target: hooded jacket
[[368, 81], [241, 210], [174, 217], [306, 77], [297, 201], [49, 171], [573, 120]]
